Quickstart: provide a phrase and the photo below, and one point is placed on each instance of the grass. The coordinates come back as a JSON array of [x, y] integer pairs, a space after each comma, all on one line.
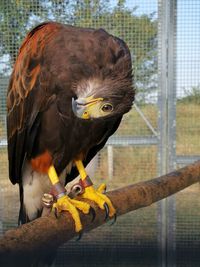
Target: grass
[[187, 126], [188, 129], [133, 164], [132, 124]]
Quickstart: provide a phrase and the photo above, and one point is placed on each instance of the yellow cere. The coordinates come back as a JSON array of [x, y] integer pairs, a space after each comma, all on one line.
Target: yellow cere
[[85, 115], [95, 109]]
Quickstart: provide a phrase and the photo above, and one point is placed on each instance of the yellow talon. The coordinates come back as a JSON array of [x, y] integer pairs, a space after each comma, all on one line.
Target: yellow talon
[[64, 203], [84, 207], [102, 188], [112, 210], [99, 198], [95, 195]]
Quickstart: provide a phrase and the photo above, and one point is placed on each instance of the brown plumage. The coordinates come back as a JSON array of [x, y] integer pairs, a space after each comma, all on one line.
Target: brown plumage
[[55, 64]]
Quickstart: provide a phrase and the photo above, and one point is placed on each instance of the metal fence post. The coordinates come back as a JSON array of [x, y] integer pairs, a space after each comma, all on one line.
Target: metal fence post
[[167, 126]]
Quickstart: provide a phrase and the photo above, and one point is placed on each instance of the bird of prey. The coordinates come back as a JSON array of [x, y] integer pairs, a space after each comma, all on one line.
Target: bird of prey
[[68, 91]]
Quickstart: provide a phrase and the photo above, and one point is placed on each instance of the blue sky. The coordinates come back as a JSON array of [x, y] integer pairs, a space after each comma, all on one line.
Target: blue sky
[[188, 39], [188, 43]]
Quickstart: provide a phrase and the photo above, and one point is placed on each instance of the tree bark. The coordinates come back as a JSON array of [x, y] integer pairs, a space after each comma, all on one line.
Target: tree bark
[[46, 234]]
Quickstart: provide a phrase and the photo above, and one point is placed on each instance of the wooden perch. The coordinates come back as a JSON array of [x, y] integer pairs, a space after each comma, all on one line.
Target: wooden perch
[[46, 234]]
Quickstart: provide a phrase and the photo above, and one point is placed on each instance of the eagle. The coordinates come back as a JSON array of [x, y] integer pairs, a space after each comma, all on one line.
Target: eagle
[[67, 94]]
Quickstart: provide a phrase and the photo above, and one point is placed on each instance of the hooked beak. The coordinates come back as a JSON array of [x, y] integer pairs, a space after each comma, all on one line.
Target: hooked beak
[[81, 106]]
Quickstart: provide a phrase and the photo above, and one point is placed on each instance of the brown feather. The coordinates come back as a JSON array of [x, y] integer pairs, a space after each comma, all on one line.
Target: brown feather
[[53, 62]]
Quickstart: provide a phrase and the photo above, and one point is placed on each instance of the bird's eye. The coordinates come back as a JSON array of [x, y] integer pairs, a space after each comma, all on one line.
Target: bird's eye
[[107, 107]]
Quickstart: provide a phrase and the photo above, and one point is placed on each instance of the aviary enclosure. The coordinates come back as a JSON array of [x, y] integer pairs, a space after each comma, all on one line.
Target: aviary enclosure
[[159, 135]]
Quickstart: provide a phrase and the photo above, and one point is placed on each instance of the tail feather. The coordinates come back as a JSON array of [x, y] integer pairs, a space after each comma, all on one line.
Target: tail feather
[[23, 218]]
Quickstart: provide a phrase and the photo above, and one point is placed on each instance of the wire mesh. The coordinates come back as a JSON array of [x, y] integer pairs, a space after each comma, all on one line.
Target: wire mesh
[[127, 243], [188, 127], [188, 81], [187, 227], [133, 240]]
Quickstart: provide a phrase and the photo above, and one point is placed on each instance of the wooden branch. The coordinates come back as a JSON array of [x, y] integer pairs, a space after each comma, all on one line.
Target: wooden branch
[[45, 234]]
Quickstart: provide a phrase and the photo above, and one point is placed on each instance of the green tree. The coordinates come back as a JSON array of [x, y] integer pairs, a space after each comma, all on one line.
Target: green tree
[[191, 95], [139, 32], [14, 20]]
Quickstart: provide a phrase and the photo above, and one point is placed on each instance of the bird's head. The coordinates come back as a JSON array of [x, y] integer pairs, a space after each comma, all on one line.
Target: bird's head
[[98, 99]]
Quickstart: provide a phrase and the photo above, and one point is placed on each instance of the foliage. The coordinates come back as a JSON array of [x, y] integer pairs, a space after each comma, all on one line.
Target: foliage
[[191, 96], [14, 21], [139, 32]]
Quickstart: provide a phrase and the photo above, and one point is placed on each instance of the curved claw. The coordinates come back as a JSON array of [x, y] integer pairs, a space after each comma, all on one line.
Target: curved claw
[[113, 220], [106, 210], [93, 213], [80, 234]]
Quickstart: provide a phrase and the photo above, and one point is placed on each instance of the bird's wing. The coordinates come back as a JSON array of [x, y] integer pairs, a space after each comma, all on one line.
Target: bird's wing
[[27, 97], [112, 127], [109, 130]]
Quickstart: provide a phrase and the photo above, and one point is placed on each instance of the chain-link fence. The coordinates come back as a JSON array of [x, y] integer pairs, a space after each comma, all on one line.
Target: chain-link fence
[[158, 135]]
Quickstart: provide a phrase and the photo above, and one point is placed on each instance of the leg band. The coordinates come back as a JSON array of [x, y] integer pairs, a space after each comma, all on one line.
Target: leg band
[[79, 187], [86, 182], [58, 190]]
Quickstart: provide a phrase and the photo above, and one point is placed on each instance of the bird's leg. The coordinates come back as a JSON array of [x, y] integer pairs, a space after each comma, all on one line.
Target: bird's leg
[[95, 195], [64, 203]]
